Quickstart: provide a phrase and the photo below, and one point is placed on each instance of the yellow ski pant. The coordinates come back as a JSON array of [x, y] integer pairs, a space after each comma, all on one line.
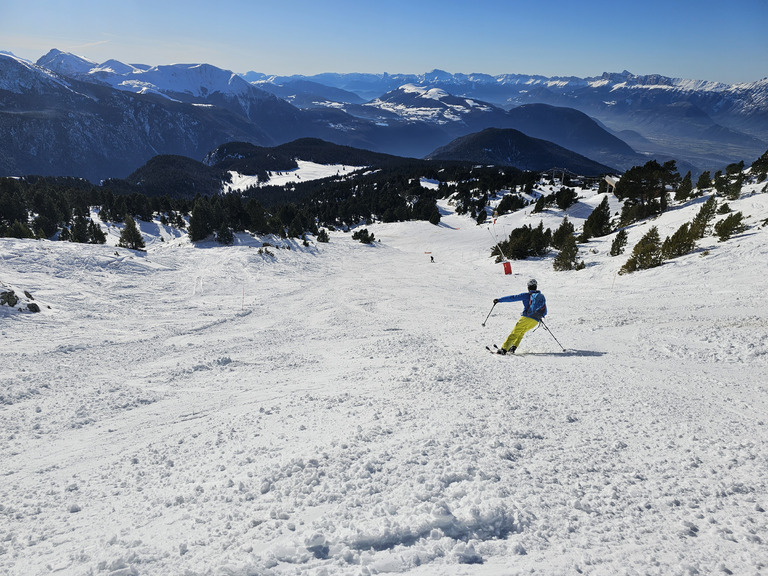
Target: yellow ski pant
[[522, 326]]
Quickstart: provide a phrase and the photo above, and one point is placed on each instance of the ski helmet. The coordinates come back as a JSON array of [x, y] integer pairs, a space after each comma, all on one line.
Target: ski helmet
[[532, 284]]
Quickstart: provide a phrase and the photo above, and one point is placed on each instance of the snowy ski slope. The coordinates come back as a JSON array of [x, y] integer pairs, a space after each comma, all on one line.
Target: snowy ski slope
[[332, 409]]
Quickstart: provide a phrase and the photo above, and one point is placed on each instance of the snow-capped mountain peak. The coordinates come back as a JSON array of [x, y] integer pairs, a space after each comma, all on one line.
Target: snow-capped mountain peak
[[198, 80], [20, 76], [66, 63], [195, 80], [118, 68]]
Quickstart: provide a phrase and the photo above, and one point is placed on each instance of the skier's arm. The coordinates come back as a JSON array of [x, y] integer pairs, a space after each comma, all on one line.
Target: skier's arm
[[512, 298]]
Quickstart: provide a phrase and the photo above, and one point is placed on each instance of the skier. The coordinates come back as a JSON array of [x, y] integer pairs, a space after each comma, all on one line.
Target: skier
[[535, 309]]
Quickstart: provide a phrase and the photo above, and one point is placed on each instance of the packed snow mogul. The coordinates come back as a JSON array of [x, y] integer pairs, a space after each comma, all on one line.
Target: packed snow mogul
[[535, 308]]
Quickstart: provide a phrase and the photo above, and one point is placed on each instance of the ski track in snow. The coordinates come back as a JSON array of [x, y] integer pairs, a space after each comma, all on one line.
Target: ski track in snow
[[331, 409]]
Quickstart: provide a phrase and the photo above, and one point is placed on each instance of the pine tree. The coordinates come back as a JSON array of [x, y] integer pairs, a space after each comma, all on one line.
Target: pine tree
[[680, 243], [683, 191], [95, 233], [257, 217], [20, 230], [702, 220], [565, 198], [760, 167], [598, 223], [704, 182], [567, 257], [201, 221], [646, 254], [224, 235], [524, 242], [619, 242], [79, 229], [510, 203], [733, 188], [732, 224], [364, 236], [648, 182], [559, 236], [296, 227], [645, 190], [130, 237]]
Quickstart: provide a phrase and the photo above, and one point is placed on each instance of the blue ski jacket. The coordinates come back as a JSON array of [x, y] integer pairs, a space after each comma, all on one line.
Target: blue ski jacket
[[535, 305]]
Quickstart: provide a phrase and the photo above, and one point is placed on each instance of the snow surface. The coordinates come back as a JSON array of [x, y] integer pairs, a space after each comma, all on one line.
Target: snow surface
[[332, 409], [305, 172]]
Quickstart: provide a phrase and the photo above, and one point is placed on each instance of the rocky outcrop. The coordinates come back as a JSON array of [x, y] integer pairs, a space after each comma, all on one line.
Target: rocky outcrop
[[10, 298]]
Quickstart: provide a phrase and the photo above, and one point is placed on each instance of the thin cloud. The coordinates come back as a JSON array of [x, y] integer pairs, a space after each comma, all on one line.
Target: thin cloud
[[89, 45]]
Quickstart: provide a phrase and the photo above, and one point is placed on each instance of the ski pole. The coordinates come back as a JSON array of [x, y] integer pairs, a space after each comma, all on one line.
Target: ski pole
[[489, 314], [553, 336]]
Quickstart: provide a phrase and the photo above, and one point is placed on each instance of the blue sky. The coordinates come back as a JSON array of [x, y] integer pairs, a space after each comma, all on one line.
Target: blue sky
[[699, 39]]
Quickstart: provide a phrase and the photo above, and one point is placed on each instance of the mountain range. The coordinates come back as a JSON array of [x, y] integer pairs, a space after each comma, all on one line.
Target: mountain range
[[65, 115], [699, 123]]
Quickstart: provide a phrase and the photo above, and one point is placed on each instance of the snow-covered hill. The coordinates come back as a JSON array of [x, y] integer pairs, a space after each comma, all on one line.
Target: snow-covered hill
[[416, 103], [332, 409]]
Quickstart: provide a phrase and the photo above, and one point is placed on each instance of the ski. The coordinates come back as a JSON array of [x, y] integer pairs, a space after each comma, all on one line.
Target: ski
[[494, 350]]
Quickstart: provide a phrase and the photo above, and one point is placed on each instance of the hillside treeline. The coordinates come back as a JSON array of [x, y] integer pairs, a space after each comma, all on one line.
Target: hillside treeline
[[646, 191], [48, 207]]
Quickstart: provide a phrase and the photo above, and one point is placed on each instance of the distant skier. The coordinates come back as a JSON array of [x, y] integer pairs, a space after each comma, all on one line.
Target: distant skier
[[432, 259], [535, 308]]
